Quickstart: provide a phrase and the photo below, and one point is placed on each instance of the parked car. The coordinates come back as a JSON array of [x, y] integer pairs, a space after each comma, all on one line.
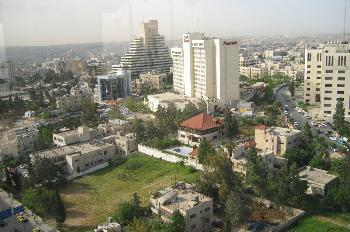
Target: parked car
[[333, 138], [285, 112], [308, 116], [22, 218]]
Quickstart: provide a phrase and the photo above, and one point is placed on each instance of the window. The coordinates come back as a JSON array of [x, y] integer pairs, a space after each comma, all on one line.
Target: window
[[327, 98], [328, 85], [341, 71], [318, 66], [340, 85], [309, 66], [317, 89], [328, 91], [318, 72], [318, 78], [307, 88], [192, 216], [329, 71], [341, 78], [308, 78], [327, 112], [328, 78], [340, 92], [327, 105], [306, 95], [308, 72]]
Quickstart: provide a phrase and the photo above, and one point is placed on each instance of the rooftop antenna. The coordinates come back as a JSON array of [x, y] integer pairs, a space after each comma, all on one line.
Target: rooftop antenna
[[344, 29]]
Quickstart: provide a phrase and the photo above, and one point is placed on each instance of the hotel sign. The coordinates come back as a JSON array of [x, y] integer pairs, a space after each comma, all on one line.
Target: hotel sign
[[230, 42], [186, 38]]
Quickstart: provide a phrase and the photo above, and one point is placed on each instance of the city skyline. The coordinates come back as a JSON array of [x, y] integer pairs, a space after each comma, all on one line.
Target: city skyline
[[37, 22]]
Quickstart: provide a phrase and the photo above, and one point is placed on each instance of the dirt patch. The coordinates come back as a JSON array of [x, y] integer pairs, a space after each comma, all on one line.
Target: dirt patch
[[261, 212]]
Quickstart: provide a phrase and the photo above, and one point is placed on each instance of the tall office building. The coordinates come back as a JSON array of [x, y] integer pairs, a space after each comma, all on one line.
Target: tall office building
[[327, 78], [147, 52], [6, 75], [113, 86], [210, 69]]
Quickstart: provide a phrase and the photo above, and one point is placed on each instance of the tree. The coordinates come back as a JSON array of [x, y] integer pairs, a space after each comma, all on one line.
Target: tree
[[269, 96], [235, 209], [339, 115], [257, 172], [205, 150], [307, 135], [287, 187], [291, 87], [43, 170], [177, 223], [125, 213], [138, 128], [231, 125], [137, 225], [88, 114], [298, 156], [45, 202]]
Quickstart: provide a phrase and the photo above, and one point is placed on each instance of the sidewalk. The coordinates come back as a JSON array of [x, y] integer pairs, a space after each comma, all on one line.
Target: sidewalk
[[8, 201]]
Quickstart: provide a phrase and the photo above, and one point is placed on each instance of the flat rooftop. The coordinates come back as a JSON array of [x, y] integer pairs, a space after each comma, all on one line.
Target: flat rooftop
[[182, 197], [315, 175], [171, 97], [280, 131]]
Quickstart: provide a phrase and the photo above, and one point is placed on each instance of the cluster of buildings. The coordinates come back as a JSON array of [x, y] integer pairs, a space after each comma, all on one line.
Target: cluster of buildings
[[74, 100], [84, 148], [327, 78]]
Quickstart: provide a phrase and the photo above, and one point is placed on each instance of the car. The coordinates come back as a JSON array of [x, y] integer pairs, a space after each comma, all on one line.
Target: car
[[333, 138], [308, 117], [285, 112], [22, 218], [296, 124]]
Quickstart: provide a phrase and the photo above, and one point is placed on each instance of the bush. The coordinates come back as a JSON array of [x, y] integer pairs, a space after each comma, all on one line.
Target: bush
[[163, 143]]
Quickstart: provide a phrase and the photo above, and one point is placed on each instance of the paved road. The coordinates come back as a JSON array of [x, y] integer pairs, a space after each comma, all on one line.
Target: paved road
[[283, 96], [34, 221]]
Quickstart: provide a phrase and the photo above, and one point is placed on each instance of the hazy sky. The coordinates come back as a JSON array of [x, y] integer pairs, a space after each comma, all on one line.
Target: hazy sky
[[43, 22]]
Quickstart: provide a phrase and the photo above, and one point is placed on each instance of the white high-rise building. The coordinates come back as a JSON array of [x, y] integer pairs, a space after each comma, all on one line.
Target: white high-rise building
[[209, 69], [147, 51], [327, 78]]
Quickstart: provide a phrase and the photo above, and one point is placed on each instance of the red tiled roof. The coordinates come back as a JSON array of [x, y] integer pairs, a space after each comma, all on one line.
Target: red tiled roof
[[202, 121], [249, 144], [261, 127]]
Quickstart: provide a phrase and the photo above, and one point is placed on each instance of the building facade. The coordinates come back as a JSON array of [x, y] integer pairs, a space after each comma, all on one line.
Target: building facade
[[73, 101], [149, 82], [276, 139], [147, 52], [113, 86], [202, 126], [178, 82], [196, 208], [210, 69], [327, 78]]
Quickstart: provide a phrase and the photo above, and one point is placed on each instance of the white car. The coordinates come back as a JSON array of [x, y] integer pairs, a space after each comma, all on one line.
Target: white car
[[333, 138], [308, 117], [285, 112]]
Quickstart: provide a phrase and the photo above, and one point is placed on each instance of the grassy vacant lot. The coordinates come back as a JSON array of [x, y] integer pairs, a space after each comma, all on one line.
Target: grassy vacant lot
[[91, 199], [339, 222]]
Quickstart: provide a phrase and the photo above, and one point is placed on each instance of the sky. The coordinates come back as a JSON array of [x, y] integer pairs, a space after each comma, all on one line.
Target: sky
[[49, 22]]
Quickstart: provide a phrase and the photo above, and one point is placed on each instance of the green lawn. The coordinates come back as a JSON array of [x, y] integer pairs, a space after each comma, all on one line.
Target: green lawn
[[339, 222], [91, 199]]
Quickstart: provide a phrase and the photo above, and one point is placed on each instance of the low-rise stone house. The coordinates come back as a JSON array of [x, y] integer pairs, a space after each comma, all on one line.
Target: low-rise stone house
[[196, 208], [319, 181], [202, 126]]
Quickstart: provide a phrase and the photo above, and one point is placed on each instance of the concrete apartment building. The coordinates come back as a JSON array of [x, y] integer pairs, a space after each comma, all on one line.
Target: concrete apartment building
[[254, 71], [149, 81], [78, 158], [15, 144], [125, 143], [73, 101], [80, 135], [147, 52], [178, 59], [276, 139], [327, 78], [319, 181], [113, 86], [196, 208], [210, 69], [202, 126]]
